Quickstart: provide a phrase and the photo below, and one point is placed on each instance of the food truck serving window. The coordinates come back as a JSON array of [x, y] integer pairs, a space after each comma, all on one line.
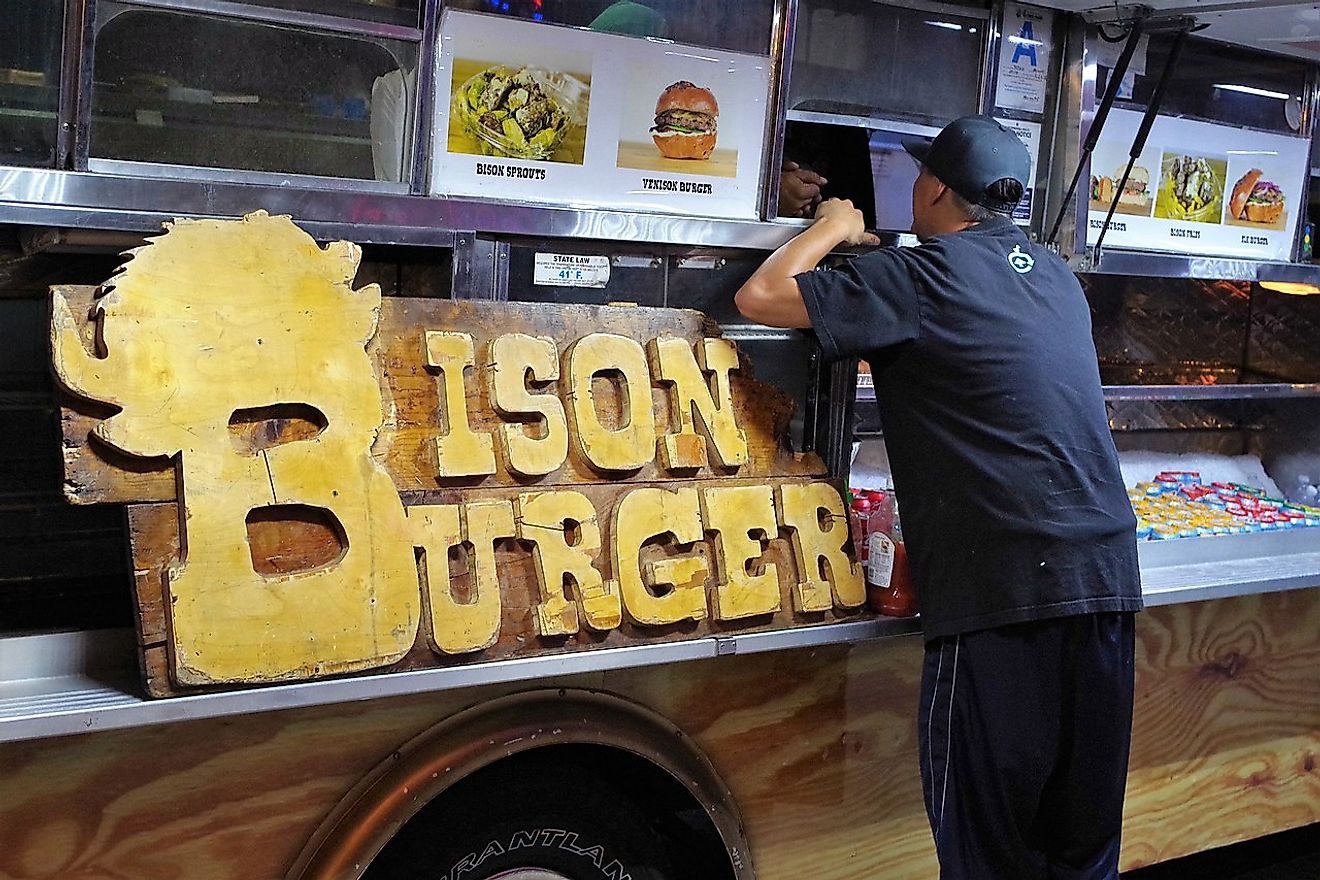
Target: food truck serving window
[[860, 58], [1224, 169], [29, 81], [401, 12], [1213, 82], [740, 27], [180, 88]]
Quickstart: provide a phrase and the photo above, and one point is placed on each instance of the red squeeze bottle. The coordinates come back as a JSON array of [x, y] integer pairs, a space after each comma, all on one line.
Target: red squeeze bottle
[[888, 583], [861, 513]]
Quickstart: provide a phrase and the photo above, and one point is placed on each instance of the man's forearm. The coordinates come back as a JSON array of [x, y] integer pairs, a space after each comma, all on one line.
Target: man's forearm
[[771, 296]]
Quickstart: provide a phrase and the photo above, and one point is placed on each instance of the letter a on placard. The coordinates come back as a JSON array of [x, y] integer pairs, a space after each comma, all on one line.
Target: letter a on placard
[[562, 526], [818, 526], [632, 444], [514, 359], [643, 514], [692, 399], [734, 513], [461, 452]]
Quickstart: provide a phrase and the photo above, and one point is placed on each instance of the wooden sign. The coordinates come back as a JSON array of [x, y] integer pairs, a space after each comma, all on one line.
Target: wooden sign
[[323, 482]]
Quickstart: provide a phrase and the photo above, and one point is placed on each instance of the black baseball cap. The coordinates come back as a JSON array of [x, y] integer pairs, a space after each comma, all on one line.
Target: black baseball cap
[[972, 154]]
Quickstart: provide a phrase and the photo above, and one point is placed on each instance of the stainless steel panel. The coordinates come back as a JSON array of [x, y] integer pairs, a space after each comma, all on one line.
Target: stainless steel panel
[[1285, 336], [637, 273], [1172, 415], [289, 17], [72, 683], [423, 99], [1247, 391], [1147, 321], [84, 200], [782, 41], [895, 125], [127, 168], [33, 706]]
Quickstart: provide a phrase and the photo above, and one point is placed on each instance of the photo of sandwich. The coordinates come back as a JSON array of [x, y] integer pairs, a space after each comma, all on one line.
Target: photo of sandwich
[[686, 121], [690, 127], [1135, 198], [1256, 202], [1191, 188]]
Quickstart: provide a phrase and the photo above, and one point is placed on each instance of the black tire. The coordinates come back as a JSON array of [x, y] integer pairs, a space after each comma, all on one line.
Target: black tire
[[557, 812]]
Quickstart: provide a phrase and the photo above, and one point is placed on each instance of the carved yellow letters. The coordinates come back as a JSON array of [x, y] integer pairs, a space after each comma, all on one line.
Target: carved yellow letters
[[673, 363], [633, 444], [543, 518], [644, 514], [217, 316], [460, 627], [516, 358], [461, 452], [824, 571], [735, 513]]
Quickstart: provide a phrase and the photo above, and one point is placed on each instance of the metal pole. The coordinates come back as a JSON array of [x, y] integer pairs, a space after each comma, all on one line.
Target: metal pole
[[1098, 124]]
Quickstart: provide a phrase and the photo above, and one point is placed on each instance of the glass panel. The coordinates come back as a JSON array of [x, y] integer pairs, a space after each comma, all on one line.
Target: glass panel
[[406, 13], [867, 166], [1219, 83], [860, 58], [741, 27], [188, 89], [838, 154], [29, 81]]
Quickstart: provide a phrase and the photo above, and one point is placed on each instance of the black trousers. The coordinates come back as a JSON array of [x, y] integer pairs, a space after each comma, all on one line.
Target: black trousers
[[1024, 734]]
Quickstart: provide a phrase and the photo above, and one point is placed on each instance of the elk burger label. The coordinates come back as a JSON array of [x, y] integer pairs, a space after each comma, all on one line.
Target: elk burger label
[[686, 121]]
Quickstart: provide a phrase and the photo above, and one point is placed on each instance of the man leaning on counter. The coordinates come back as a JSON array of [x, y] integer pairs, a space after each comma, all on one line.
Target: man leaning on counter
[[1018, 526]]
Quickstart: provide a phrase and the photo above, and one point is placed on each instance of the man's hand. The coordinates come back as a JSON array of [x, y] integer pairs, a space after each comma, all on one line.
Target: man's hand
[[799, 190], [847, 221], [772, 296]]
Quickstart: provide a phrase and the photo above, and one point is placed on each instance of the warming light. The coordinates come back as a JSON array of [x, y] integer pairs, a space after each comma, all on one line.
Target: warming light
[[1296, 288], [1252, 90]]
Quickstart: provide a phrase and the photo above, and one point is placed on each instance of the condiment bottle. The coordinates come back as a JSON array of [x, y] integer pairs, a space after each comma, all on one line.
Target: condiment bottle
[[859, 522], [888, 584]]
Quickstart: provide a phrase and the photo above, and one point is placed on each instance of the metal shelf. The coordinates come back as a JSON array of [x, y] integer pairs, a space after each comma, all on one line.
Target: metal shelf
[[1153, 264], [70, 683], [1228, 392], [1243, 391]]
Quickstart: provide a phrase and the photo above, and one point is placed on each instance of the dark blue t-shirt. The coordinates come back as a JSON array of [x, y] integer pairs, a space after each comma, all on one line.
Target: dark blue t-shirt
[[1013, 505]]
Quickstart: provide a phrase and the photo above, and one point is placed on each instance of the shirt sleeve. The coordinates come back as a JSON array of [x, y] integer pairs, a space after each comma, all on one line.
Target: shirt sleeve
[[869, 304]]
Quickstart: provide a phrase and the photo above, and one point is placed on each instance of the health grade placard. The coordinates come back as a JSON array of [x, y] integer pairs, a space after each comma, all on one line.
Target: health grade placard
[[533, 112], [1199, 188]]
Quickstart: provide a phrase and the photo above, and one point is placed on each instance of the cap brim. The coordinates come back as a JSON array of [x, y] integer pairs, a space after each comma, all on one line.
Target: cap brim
[[918, 148]]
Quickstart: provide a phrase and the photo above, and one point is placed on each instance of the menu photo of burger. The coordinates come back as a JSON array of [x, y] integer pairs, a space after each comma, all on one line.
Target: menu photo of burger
[[686, 121], [1135, 198], [684, 135], [1257, 203]]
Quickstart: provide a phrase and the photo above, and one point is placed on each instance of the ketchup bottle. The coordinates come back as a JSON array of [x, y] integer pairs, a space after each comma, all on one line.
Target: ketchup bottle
[[888, 584]]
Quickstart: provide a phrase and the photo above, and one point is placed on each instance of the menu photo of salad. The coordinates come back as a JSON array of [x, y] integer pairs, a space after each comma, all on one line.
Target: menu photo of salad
[[1256, 202], [519, 111]]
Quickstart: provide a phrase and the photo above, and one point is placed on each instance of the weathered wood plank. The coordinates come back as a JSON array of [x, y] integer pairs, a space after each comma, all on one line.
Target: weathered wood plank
[[155, 529]]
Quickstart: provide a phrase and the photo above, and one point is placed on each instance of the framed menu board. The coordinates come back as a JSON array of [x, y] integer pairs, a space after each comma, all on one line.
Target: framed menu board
[[533, 112], [1199, 188]]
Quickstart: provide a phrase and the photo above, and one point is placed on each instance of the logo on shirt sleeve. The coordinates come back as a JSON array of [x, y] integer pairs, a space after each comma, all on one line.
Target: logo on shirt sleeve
[[1021, 262]]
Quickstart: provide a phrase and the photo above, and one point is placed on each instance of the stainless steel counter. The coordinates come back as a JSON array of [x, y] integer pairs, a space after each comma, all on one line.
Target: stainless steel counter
[[70, 683]]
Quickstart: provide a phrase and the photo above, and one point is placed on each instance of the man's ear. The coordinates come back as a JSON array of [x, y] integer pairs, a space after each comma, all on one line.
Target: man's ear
[[941, 190]]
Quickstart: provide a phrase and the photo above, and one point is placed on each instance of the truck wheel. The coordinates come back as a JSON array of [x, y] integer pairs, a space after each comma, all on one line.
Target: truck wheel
[[552, 816]]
